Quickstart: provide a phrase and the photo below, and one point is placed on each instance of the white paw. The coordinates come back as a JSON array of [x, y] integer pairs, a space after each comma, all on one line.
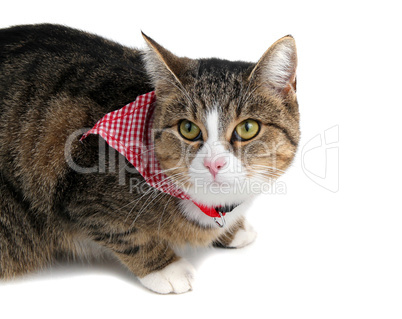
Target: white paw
[[178, 277], [243, 237]]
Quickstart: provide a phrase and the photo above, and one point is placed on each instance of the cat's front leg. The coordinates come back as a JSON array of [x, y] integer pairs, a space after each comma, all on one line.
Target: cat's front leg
[[158, 267], [239, 236]]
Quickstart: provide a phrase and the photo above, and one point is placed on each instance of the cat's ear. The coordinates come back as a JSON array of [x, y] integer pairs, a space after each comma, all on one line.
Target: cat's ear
[[277, 67], [163, 66]]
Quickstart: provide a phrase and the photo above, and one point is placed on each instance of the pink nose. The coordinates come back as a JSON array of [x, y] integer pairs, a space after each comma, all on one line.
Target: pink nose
[[214, 165]]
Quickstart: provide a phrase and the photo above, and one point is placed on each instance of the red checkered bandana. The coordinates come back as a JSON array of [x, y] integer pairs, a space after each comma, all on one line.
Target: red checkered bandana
[[129, 131]]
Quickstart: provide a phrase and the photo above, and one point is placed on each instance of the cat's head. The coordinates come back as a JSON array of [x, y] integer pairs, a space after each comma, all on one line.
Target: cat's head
[[224, 130]]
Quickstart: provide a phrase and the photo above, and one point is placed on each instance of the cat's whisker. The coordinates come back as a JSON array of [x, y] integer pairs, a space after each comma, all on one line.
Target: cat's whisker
[[167, 170], [151, 189], [267, 170], [167, 178], [146, 193], [136, 201], [268, 173], [265, 174], [263, 179], [154, 200], [163, 213], [148, 202], [268, 167], [150, 197], [261, 175]]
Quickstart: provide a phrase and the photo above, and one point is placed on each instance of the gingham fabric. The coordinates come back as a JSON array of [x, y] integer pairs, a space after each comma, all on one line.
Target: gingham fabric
[[129, 131]]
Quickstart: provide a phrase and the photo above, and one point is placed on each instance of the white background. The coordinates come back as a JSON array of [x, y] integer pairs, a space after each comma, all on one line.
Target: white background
[[319, 253]]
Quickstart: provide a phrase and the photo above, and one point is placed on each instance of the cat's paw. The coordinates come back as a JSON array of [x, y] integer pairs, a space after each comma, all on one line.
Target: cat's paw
[[178, 277], [243, 237]]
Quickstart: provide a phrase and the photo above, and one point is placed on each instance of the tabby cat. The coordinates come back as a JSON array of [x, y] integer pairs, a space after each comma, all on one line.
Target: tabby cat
[[221, 131]]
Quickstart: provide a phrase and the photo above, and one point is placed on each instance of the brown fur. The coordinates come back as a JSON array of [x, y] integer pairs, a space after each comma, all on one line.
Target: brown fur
[[240, 95], [55, 81]]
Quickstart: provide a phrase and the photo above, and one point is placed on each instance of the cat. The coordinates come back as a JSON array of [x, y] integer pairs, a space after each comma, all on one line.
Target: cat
[[216, 123]]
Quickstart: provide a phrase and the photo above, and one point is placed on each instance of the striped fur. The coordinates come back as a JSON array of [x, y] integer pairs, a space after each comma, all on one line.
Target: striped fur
[[55, 81]]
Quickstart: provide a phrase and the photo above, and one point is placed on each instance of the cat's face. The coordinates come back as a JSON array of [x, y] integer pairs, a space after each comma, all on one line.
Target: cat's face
[[224, 130]]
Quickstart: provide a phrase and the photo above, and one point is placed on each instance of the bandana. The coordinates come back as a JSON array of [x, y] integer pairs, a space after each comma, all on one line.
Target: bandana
[[129, 131]]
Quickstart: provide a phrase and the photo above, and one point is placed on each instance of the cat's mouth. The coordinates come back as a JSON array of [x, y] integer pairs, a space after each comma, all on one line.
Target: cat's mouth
[[226, 208]]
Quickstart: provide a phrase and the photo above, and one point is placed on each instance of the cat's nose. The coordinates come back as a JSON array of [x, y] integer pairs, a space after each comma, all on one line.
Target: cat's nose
[[214, 165]]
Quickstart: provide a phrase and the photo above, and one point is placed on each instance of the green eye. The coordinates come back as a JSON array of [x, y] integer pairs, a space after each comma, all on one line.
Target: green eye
[[189, 130], [247, 129]]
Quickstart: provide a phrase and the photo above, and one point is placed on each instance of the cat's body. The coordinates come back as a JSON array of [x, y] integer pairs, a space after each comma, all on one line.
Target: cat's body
[[55, 81]]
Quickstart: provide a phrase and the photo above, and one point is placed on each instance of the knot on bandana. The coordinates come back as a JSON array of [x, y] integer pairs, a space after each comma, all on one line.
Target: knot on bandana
[[129, 131]]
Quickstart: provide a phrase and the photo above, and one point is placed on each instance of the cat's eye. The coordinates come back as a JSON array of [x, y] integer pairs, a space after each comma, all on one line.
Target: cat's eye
[[246, 130], [189, 130]]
